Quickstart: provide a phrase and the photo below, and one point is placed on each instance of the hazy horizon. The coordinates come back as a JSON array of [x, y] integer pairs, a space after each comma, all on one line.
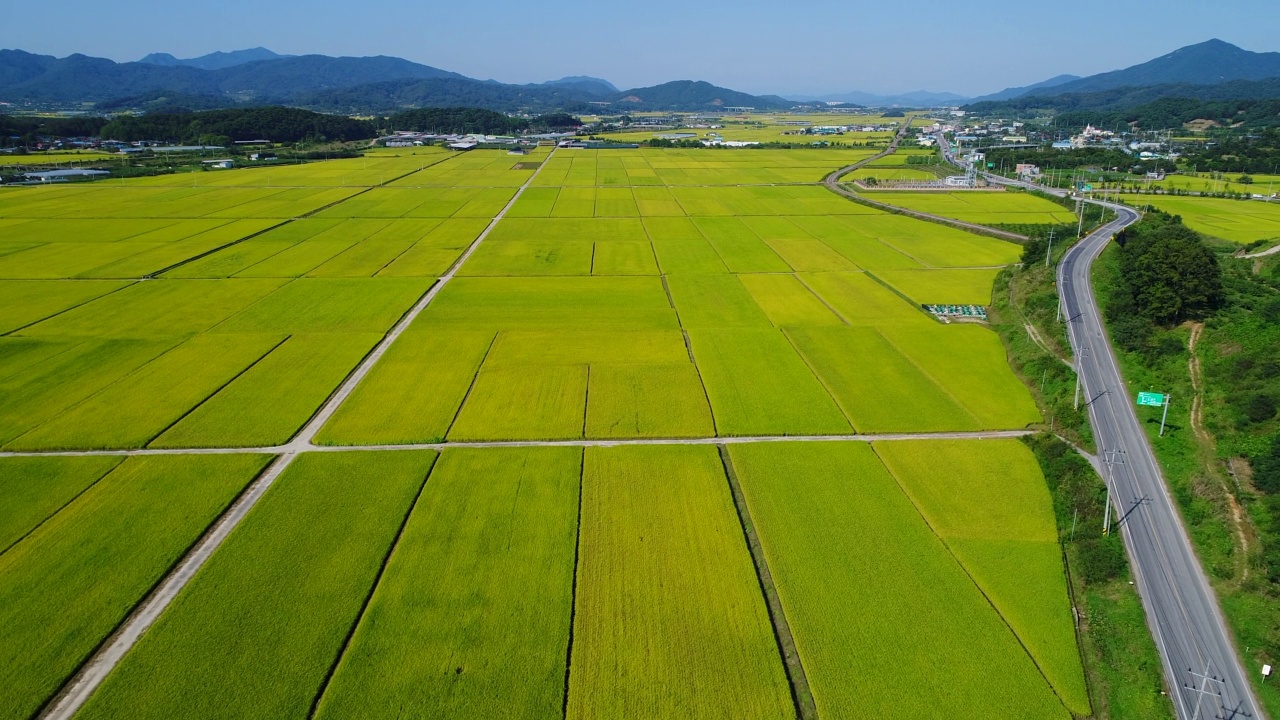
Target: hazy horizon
[[817, 49]]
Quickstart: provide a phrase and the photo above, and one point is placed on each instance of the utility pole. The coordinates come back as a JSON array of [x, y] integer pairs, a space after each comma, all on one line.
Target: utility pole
[[1048, 251], [1165, 414], [1112, 458], [1205, 679], [1084, 353], [1080, 212]]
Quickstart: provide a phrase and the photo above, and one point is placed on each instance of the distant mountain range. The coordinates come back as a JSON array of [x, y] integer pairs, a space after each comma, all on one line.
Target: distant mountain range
[[215, 60], [586, 84], [381, 84], [338, 84], [1210, 63], [918, 98], [1014, 92]]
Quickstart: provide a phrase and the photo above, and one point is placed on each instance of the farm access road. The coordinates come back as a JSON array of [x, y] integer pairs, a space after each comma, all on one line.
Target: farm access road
[[1201, 666]]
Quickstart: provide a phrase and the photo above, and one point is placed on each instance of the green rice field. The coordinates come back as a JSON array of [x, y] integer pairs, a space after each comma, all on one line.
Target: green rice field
[[985, 207], [1238, 221], [545, 480]]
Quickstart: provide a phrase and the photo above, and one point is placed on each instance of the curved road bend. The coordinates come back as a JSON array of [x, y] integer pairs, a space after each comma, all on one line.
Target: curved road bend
[[1181, 608], [1201, 665], [832, 181]]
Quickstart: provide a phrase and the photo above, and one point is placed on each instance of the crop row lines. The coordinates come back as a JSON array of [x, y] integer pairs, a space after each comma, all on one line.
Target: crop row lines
[[81, 687]]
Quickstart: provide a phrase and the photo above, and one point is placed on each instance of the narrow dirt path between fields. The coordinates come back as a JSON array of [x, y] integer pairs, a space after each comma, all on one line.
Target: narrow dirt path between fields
[[581, 442], [1207, 446]]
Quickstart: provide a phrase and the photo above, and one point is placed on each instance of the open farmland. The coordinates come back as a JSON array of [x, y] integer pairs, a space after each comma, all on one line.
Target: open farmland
[[69, 582], [248, 292], [623, 313], [1212, 183], [985, 207], [871, 591], [696, 638], [316, 541], [1234, 220]]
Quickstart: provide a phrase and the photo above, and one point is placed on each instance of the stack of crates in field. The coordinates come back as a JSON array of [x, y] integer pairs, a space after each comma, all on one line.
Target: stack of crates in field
[[963, 312]]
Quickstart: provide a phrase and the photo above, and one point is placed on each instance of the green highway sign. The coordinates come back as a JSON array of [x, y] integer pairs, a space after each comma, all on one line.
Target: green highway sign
[[991, 165], [1150, 398]]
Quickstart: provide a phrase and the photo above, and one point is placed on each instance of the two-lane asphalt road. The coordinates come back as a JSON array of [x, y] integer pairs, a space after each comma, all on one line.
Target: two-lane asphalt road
[[1201, 665]]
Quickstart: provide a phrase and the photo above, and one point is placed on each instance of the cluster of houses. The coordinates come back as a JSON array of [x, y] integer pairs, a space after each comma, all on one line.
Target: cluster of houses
[[457, 141]]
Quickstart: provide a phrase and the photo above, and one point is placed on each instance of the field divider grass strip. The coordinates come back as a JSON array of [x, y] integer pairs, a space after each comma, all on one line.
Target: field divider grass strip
[[217, 390], [801, 694], [69, 309], [284, 222], [368, 598], [929, 376], [586, 400], [976, 584], [89, 677], [821, 299], [399, 255], [59, 509], [90, 674], [472, 385], [1087, 672], [909, 256], [814, 371], [573, 597], [688, 348], [104, 388], [918, 307]]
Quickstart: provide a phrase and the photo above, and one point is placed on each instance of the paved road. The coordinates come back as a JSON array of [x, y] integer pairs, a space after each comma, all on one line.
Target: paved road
[[1201, 665], [1181, 608]]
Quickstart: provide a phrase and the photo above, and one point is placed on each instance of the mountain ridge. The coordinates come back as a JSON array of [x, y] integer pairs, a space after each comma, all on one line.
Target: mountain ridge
[[340, 84], [215, 60], [1210, 62]]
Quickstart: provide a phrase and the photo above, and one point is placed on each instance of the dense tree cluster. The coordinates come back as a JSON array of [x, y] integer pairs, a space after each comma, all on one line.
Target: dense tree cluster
[[1255, 152], [1252, 103], [21, 130], [277, 124], [1172, 275], [477, 120], [1167, 275], [1051, 159], [1175, 112]]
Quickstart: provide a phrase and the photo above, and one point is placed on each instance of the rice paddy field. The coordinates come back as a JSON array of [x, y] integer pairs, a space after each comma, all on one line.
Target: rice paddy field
[[573, 389], [995, 207], [1215, 183], [774, 128], [1238, 221]]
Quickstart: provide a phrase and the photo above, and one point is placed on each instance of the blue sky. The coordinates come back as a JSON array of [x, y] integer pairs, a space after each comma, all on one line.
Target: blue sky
[[814, 47]]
